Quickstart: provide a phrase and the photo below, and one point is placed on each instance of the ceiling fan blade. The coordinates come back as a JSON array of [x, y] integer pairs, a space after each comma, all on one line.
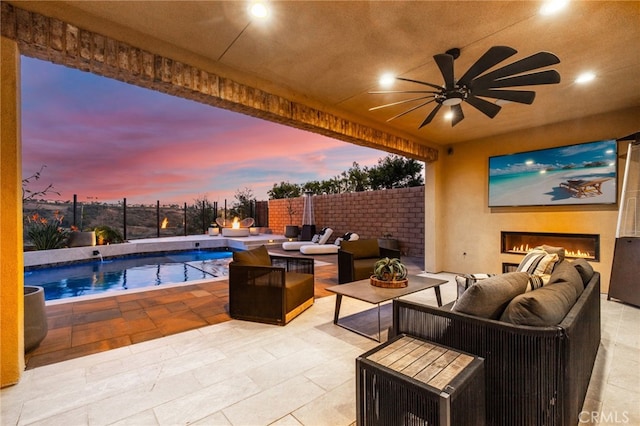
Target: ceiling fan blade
[[492, 57], [445, 63], [410, 109], [400, 102], [420, 82], [387, 92], [458, 116], [430, 116], [539, 60], [521, 96], [487, 108], [533, 79]]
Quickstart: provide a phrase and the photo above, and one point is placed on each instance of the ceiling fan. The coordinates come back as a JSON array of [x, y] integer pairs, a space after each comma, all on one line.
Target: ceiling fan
[[474, 85]]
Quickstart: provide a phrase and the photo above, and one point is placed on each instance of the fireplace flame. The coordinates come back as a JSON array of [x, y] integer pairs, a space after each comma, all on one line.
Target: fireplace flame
[[165, 223], [524, 248], [236, 223]]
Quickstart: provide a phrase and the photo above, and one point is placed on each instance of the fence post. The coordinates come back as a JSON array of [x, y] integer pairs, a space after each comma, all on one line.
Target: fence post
[[185, 219], [158, 217], [204, 217], [75, 202], [124, 218]]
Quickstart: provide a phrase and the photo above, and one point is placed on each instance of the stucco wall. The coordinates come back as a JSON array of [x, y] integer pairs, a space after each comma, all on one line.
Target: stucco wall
[[471, 227], [370, 214], [11, 267]]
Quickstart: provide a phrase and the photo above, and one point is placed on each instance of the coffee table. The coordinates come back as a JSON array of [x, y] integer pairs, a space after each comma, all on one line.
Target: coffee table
[[363, 290]]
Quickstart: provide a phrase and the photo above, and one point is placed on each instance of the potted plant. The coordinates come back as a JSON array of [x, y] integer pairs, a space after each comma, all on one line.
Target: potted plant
[[106, 235], [79, 238], [389, 273], [291, 231]]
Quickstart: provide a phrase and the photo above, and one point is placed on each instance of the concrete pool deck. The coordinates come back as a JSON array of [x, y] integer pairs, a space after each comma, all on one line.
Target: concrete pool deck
[[92, 324]]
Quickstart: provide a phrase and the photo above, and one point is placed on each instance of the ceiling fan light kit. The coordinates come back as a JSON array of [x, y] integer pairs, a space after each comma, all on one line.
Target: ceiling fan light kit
[[477, 83]]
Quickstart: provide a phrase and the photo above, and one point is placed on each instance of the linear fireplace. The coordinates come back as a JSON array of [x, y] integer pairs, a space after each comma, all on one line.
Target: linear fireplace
[[586, 246]]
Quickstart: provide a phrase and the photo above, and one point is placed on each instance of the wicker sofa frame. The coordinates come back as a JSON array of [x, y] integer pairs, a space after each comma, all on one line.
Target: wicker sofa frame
[[271, 294], [534, 375]]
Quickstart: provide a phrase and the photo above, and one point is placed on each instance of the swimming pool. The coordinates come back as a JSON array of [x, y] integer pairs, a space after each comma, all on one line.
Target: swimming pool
[[132, 272]]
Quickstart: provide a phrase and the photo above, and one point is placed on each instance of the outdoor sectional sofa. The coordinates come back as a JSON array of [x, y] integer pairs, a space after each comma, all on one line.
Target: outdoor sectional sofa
[[535, 374]]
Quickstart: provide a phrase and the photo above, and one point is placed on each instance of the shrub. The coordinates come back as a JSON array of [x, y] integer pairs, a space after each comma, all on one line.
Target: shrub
[[46, 234], [107, 235]]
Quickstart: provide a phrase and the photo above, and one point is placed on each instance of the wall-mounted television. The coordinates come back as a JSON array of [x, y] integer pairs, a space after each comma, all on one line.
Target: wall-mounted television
[[585, 173]]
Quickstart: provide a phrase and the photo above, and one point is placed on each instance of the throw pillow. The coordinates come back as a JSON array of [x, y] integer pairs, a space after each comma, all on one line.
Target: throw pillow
[[258, 256], [488, 298], [551, 249], [537, 281], [538, 262]]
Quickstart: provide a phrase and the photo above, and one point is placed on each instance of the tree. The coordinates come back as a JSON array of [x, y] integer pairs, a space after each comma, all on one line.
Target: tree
[[201, 210], [284, 190], [390, 172], [245, 200], [357, 179], [395, 172], [31, 195]]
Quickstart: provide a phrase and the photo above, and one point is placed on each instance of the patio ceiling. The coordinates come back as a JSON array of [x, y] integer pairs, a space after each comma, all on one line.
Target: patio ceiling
[[329, 54]]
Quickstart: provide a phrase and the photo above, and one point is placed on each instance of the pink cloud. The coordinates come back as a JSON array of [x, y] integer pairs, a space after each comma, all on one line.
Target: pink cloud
[[108, 140]]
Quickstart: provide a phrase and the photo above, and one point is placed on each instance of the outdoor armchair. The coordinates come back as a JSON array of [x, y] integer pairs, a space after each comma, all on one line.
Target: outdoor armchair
[[357, 258], [268, 288]]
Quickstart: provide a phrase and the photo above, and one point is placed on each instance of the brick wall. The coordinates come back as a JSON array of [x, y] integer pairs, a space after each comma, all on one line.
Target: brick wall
[[370, 214]]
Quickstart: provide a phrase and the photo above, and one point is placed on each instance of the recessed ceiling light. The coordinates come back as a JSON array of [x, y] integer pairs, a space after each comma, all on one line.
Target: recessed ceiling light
[[585, 77], [259, 9], [551, 7], [387, 80]]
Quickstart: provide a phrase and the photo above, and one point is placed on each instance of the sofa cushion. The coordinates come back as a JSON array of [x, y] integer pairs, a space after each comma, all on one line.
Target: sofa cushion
[[363, 268], [488, 298], [547, 305], [538, 262], [362, 249], [543, 307], [585, 270], [298, 289], [565, 272], [465, 281], [258, 256]]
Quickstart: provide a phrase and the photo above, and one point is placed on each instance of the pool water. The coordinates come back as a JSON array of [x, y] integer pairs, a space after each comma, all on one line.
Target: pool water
[[132, 272]]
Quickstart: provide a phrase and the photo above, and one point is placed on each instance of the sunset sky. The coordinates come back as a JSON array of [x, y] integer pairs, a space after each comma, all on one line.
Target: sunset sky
[[105, 140]]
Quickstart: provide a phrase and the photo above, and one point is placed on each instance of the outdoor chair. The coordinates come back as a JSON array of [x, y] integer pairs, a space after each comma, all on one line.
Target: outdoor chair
[[357, 258], [268, 288]]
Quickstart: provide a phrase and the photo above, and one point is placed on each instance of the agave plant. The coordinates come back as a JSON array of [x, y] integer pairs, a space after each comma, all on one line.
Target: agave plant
[[387, 269]]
